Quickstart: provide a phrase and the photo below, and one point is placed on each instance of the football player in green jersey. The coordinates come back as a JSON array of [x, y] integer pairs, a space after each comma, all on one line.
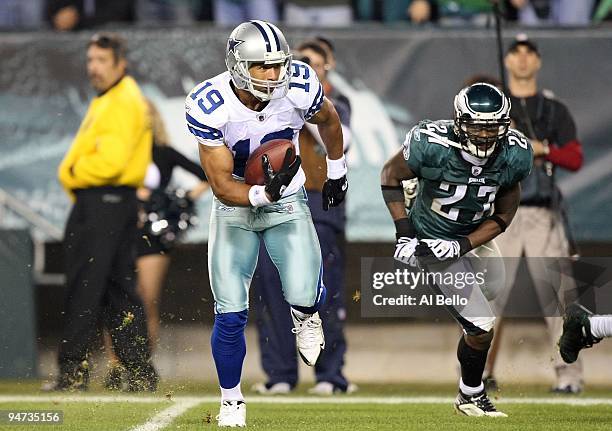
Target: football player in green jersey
[[469, 171]]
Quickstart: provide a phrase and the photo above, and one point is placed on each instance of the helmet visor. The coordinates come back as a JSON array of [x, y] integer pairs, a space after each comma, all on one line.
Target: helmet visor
[[481, 136], [484, 132], [261, 86]]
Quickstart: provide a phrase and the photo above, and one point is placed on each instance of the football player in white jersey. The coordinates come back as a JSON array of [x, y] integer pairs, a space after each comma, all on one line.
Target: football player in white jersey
[[263, 95]]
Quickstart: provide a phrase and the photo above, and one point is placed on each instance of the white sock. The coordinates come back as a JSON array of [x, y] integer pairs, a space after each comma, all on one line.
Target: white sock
[[468, 390], [601, 326], [233, 394]]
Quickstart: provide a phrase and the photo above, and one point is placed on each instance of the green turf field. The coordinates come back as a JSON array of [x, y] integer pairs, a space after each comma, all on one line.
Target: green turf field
[[374, 407], [89, 416], [353, 417]]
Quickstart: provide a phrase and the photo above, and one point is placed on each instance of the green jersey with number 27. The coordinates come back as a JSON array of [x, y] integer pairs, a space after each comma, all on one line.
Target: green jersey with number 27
[[457, 190]]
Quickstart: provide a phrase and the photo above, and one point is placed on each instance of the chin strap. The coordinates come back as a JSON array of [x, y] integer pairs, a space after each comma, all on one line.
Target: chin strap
[[475, 151]]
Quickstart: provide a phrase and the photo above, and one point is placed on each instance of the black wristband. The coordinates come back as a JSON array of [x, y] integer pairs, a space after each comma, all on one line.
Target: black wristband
[[404, 227], [500, 222], [392, 194], [464, 245]]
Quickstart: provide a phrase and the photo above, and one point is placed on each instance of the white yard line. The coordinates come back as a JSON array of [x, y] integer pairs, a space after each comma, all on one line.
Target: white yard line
[[165, 417], [345, 399]]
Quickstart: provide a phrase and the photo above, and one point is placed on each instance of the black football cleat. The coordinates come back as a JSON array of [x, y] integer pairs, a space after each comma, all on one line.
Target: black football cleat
[[477, 405], [576, 333]]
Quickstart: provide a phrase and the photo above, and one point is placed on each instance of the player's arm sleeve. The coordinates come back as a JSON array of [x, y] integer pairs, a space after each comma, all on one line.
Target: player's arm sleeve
[[204, 134], [306, 91], [521, 159], [566, 151], [114, 146], [316, 104], [179, 159], [203, 127], [412, 149]]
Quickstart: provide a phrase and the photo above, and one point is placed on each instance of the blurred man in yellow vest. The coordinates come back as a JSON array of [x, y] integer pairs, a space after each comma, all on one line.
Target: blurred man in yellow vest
[[101, 171], [113, 144]]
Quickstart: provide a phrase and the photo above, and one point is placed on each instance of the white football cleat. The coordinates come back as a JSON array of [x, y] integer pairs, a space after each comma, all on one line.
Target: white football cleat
[[232, 414], [309, 337], [477, 405]]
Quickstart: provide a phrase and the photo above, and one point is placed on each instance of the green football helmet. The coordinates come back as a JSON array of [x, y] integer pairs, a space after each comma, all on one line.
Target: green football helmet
[[482, 118]]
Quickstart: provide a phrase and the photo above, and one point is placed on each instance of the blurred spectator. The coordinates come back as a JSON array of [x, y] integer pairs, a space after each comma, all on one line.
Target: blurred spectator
[[20, 14], [232, 12], [330, 225], [603, 11], [154, 244], [177, 12], [417, 11], [422, 11], [69, 15], [202, 10], [539, 229], [329, 49], [554, 12], [153, 248], [173, 12], [318, 13], [105, 164], [461, 12], [277, 344]]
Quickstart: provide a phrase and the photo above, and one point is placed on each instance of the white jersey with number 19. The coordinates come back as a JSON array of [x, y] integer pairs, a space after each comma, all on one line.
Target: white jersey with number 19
[[215, 116]]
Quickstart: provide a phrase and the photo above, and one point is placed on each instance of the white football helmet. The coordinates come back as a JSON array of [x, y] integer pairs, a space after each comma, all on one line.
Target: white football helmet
[[482, 118], [258, 42]]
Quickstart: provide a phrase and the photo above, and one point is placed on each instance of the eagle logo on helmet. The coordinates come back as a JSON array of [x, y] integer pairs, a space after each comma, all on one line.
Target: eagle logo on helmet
[[482, 119]]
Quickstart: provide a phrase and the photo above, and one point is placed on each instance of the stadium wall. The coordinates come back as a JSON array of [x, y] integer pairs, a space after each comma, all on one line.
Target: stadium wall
[[393, 78]]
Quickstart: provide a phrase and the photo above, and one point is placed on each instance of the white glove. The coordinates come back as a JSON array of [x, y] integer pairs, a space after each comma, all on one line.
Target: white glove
[[411, 189], [430, 251], [404, 250]]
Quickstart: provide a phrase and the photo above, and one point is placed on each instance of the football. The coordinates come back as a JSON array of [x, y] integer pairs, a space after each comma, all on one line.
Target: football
[[275, 149]]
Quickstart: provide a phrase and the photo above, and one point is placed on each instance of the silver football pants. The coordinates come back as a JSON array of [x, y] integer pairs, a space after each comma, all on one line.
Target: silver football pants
[[291, 241]]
